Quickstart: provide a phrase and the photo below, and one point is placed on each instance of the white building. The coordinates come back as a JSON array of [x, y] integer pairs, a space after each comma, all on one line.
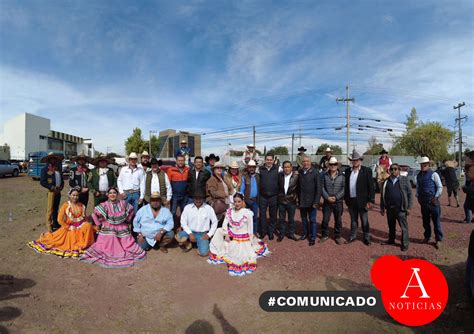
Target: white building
[[28, 133]]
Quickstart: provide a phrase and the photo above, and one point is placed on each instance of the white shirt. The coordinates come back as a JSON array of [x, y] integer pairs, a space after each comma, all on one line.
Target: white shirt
[[287, 182], [199, 220], [353, 182], [131, 179], [155, 185], [103, 179]]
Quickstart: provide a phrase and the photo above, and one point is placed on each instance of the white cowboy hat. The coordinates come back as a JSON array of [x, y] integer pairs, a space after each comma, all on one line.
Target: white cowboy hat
[[145, 154], [328, 150], [234, 164], [251, 146], [333, 160], [423, 160], [132, 155], [252, 163], [184, 141], [218, 164]]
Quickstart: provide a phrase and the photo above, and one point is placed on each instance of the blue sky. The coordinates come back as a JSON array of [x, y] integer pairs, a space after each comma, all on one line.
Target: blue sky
[[98, 69]]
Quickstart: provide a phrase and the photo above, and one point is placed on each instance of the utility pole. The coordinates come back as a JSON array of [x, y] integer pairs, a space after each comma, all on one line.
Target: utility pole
[[458, 107], [346, 101], [254, 136], [292, 146], [149, 143]]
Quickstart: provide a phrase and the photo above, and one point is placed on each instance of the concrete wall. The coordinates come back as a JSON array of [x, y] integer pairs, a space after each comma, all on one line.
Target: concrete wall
[[37, 130], [14, 136]]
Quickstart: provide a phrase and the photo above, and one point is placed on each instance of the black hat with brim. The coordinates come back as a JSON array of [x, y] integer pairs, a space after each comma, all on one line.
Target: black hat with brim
[[212, 156]]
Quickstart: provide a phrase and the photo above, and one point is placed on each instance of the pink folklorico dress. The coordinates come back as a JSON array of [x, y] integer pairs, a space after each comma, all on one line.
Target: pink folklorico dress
[[241, 252], [115, 246]]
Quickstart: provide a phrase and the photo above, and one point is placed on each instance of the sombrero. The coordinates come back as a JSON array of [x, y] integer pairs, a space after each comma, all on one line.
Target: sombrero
[[50, 156]]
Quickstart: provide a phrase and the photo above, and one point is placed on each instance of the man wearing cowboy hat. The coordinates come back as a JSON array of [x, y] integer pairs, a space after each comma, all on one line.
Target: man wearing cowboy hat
[[250, 154], [145, 161], [130, 182], [250, 188], [156, 180], [185, 151], [210, 161], [300, 156], [154, 224], [198, 223], [52, 180], [101, 179], [428, 191], [332, 190], [324, 160], [384, 160], [359, 196], [78, 177]]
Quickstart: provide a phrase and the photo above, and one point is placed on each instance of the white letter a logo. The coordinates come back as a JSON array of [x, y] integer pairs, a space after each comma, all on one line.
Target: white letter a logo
[[420, 285]]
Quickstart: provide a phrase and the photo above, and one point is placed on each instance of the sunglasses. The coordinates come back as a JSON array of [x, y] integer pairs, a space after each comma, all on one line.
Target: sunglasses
[[392, 169], [332, 164]]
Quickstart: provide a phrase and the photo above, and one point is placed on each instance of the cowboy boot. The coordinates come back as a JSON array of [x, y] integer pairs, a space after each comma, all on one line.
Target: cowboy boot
[[449, 201], [457, 201], [165, 242]]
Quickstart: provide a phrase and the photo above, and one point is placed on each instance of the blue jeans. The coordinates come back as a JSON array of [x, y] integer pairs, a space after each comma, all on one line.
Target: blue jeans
[[283, 210], [309, 227], [165, 240], [132, 199], [431, 212], [252, 204], [178, 200], [203, 245]]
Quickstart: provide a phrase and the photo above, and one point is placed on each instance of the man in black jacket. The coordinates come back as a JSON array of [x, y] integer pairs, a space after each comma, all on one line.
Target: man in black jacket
[[52, 179], [197, 178], [359, 196], [396, 199], [308, 199], [78, 177], [268, 196], [287, 196]]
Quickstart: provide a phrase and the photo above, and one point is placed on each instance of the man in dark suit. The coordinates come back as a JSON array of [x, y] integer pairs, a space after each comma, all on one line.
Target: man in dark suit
[[197, 178], [287, 196], [396, 200], [52, 180], [309, 196], [359, 196]]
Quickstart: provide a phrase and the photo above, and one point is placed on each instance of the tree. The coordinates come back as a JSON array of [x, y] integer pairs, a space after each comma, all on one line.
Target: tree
[[135, 142], [278, 150], [155, 145], [412, 120], [374, 147], [430, 139], [336, 149]]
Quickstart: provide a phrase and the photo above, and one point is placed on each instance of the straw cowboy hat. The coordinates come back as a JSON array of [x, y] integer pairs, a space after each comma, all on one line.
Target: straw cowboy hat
[[252, 163], [234, 164], [96, 161], [331, 161], [355, 156], [50, 156], [217, 164], [132, 155], [184, 141], [301, 149], [451, 163], [81, 156], [155, 195], [250, 146], [424, 160], [328, 150], [145, 154], [212, 156]]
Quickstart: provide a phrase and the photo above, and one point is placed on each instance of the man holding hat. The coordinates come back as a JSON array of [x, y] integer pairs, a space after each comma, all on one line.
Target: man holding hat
[[250, 188], [78, 177], [325, 159], [154, 224], [130, 182], [300, 156], [428, 191], [156, 180], [250, 154], [198, 223], [145, 161], [332, 190], [101, 179], [359, 195], [52, 180]]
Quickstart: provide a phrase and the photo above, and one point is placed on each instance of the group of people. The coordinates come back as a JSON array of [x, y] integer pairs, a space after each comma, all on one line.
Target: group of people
[[225, 211]]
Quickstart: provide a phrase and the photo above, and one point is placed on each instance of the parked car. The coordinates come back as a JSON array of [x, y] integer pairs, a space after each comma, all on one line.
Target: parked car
[[7, 168], [412, 173]]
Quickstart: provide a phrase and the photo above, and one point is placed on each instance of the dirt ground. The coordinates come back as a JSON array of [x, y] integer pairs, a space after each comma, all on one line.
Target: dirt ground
[[180, 293]]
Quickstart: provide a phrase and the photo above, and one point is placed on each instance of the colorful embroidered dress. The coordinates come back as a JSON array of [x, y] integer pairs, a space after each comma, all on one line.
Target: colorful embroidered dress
[[240, 254], [74, 236], [115, 246]]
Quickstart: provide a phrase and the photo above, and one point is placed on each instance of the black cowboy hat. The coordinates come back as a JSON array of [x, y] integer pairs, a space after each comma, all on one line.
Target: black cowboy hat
[[302, 149], [96, 161], [212, 156], [81, 156], [50, 156], [383, 152], [158, 162]]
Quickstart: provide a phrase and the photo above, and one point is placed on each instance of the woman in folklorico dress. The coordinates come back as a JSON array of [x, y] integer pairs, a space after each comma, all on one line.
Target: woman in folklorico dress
[[234, 243], [115, 246], [75, 235]]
